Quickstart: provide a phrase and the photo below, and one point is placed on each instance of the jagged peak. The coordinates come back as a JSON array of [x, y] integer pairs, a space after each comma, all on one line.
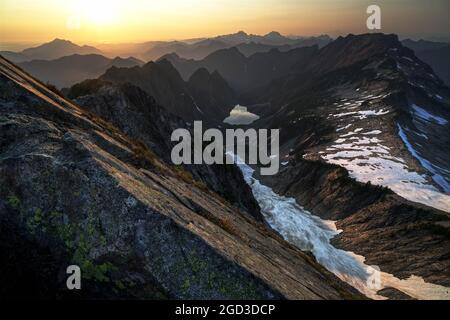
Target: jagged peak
[[241, 33], [274, 34], [59, 40], [367, 44]]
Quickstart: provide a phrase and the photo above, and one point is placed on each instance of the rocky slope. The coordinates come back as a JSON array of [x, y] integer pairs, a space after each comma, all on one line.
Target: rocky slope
[[138, 115], [210, 89], [364, 136], [74, 189]]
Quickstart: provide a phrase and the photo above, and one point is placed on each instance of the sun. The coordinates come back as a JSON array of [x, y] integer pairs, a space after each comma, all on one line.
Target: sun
[[100, 12]]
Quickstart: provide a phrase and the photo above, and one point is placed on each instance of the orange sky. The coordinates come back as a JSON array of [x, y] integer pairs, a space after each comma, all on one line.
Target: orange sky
[[92, 21]]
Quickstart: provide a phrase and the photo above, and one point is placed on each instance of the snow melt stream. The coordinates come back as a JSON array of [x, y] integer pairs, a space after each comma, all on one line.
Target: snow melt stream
[[310, 233]]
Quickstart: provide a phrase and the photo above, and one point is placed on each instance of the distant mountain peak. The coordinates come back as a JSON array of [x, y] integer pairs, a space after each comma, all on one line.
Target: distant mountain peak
[[200, 71], [377, 41], [59, 40], [241, 33], [54, 49], [170, 56], [228, 52], [273, 34]]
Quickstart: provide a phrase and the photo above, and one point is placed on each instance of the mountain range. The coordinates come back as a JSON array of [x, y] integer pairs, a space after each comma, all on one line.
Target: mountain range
[[245, 73], [63, 63], [69, 70], [55, 49], [246, 43], [433, 53], [153, 50], [364, 143], [204, 96], [367, 104]]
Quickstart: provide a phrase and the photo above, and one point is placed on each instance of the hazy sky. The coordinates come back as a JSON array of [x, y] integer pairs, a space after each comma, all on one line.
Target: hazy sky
[[90, 21]]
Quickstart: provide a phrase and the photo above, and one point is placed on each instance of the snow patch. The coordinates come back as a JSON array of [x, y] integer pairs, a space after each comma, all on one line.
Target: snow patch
[[367, 159], [424, 114]]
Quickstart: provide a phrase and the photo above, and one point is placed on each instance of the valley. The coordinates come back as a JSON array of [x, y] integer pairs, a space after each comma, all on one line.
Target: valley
[[360, 207]]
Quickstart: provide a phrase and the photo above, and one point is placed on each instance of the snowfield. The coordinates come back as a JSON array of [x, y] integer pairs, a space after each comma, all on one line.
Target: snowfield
[[310, 233], [368, 158]]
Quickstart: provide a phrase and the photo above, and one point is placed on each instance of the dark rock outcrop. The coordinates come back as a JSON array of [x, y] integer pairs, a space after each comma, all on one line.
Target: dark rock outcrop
[[186, 100]]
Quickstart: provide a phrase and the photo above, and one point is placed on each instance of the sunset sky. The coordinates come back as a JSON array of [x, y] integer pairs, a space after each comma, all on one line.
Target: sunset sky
[[92, 21]]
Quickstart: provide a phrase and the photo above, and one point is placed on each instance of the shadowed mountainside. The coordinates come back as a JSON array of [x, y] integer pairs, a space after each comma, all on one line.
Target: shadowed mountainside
[[69, 70], [247, 73], [435, 54], [204, 96], [138, 115]]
